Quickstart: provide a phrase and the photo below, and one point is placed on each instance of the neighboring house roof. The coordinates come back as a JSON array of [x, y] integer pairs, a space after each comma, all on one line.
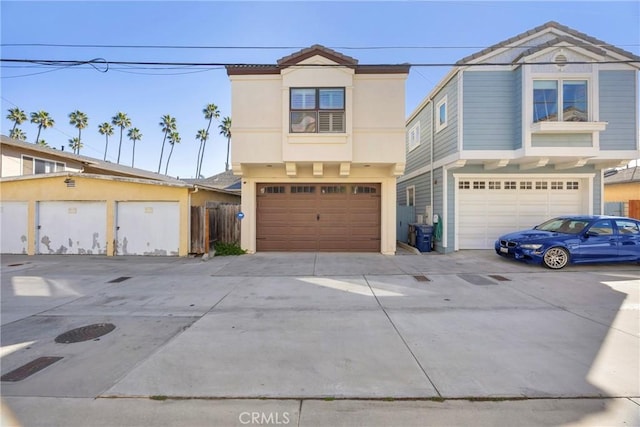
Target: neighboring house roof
[[222, 181], [91, 165], [96, 176], [551, 25], [622, 176], [316, 50]]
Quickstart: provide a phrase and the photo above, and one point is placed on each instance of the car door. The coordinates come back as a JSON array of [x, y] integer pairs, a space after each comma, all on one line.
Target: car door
[[629, 239], [599, 242]]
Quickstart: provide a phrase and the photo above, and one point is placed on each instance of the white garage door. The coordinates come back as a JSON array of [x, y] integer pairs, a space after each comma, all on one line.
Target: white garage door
[[71, 228], [148, 228], [490, 207], [13, 227]]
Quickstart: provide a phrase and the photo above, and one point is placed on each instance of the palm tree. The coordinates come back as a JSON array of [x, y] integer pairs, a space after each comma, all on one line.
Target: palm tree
[[123, 121], [168, 125], [225, 130], [18, 133], [201, 136], [210, 112], [43, 143], [17, 116], [107, 130], [79, 120], [75, 144], [134, 135], [43, 120], [174, 138]]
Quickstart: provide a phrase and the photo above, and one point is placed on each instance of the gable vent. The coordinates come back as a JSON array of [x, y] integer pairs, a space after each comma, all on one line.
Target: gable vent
[[560, 60]]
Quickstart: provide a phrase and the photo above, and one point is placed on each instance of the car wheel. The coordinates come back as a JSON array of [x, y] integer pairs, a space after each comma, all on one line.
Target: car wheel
[[556, 258]]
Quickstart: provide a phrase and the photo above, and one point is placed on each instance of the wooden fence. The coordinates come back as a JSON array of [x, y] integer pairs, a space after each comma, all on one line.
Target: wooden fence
[[217, 222]]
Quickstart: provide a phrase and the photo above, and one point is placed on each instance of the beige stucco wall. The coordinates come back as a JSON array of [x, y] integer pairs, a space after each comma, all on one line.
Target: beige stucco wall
[[111, 191], [622, 192]]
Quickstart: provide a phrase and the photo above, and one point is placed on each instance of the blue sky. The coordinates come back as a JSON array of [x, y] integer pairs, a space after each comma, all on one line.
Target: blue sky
[[452, 29]]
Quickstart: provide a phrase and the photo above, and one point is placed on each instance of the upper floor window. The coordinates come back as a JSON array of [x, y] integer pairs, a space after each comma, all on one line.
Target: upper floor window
[[414, 136], [31, 165], [441, 114], [569, 95], [317, 110]]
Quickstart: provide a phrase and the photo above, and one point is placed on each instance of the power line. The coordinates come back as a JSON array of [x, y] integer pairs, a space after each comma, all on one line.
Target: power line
[[110, 46], [101, 61]]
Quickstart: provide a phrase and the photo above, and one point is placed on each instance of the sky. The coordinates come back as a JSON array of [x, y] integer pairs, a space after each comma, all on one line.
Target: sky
[[391, 32]]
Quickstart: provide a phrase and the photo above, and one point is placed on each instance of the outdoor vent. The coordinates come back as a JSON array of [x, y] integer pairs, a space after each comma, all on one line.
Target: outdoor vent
[[560, 60]]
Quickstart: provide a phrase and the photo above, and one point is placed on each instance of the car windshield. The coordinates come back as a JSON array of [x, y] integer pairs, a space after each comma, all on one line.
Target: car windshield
[[563, 225]]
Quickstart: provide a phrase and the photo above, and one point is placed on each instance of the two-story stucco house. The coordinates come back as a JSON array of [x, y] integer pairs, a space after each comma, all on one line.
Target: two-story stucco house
[[319, 141], [520, 132]]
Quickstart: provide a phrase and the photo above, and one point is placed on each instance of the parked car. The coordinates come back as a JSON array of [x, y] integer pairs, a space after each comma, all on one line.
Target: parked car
[[575, 239]]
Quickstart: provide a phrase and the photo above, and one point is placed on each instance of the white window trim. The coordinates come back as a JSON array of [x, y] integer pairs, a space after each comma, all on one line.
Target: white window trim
[[411, 189], [414, 137], [441, 126], [593, 126]]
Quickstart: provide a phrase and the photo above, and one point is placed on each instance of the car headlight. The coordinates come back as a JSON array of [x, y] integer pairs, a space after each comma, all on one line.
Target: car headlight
[[533, 246]]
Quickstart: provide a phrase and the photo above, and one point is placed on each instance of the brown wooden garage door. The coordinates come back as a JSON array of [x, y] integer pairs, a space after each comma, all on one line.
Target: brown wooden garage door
[[318, 217]]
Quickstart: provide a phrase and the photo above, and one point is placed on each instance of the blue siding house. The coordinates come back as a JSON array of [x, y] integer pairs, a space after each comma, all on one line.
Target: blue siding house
[[520, 132]]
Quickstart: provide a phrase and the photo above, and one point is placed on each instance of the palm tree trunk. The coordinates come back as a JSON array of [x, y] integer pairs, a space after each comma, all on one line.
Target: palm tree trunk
[[38, 137], [198, 161], [79, 139], [106, 145], [169, 159], [162, 151], [204, 144], [120, 145], [14, 126], [133, 156]]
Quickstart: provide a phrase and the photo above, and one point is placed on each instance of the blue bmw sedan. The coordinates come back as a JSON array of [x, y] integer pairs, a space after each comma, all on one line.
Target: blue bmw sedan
[[575, 239]]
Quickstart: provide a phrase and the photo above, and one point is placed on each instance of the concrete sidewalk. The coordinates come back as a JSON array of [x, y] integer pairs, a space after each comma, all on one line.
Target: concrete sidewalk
[[325, 339]]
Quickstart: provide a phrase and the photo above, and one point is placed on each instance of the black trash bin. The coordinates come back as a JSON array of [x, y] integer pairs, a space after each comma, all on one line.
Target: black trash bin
[[424, 235]]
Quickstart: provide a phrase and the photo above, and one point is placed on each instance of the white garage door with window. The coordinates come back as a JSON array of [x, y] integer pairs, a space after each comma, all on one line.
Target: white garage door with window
[[70, 227], [148, 228], [488, 207]]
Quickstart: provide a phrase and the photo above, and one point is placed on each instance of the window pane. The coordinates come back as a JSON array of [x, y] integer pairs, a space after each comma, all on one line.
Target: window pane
[[545, 100], [303, 121], [574, 101], [303, 99], [40, 166], [331, 99], [443, 114]]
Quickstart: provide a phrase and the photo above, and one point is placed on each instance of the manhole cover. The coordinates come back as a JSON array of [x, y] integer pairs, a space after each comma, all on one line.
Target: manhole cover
[[85, 333]]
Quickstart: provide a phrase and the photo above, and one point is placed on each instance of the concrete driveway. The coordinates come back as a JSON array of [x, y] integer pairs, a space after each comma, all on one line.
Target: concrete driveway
[[321, 339]]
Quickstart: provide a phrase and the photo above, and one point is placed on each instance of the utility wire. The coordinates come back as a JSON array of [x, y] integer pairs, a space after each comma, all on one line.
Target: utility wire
[[110, 46], [101, 61]]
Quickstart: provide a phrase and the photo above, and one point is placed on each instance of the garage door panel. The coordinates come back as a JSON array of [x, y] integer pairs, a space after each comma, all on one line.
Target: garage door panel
[[14, 218], [148, 228], [324, 217], [492, 206], [71, 227]]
